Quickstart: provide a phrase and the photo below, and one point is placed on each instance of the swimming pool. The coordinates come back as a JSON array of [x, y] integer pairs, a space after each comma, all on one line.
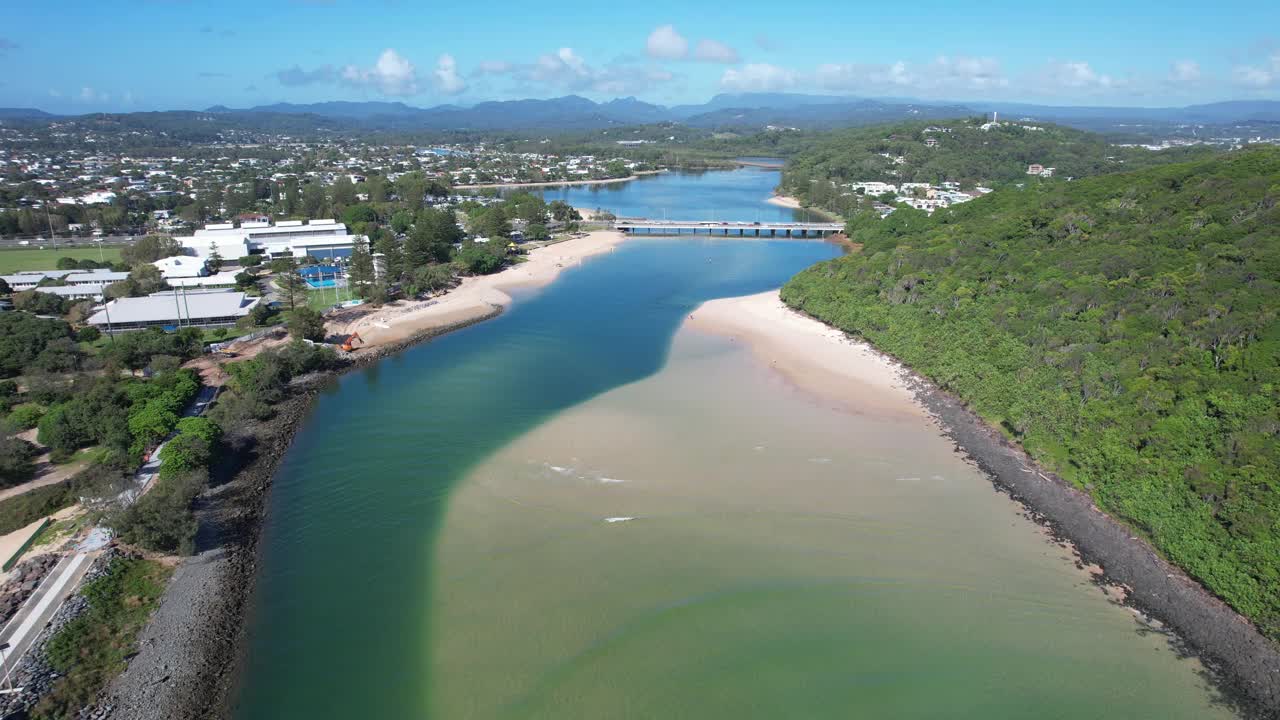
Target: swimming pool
[[322, 283]]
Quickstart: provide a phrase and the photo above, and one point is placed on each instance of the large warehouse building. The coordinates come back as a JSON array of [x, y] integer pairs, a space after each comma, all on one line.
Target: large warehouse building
[[174, 310], [320, 238]]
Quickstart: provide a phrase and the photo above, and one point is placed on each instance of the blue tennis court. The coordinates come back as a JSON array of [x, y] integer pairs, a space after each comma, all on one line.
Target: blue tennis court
[[321, 276]]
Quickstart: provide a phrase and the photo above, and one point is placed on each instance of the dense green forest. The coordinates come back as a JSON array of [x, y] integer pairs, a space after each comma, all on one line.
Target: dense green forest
[[1122, 328], [962, 152]]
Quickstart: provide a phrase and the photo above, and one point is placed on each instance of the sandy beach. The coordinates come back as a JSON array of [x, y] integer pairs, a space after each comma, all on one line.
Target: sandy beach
[[558, 183], [785, 201], [813, 356], [476, 297]]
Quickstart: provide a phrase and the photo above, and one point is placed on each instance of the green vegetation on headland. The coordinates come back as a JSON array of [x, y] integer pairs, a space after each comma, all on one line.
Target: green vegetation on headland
[[1124, 329], [956, 151]]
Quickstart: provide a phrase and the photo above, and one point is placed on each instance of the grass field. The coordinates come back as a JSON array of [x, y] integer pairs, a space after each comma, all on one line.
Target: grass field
[[322, 299], [12, 261]]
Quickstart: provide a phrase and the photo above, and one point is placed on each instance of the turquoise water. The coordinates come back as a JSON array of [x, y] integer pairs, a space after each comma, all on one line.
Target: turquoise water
[[736, 195], [437, 544], [344, 587]]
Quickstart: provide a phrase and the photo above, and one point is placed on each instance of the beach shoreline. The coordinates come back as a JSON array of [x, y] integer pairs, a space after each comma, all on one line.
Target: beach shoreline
[[196, 641], [559, 183], [1243, 665], [792, 203], [475, 298], [812, 356]]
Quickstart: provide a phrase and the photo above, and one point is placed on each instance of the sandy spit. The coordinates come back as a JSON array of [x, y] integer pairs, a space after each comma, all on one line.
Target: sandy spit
[[475, 298], [813, 356]]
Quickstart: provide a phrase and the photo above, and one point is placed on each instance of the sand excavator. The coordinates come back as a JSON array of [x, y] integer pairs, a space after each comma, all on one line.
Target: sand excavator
[[350, 344]]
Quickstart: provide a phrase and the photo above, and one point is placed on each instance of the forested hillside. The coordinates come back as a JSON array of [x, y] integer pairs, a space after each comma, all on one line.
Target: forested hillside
[[1122, 328], [960, 151]]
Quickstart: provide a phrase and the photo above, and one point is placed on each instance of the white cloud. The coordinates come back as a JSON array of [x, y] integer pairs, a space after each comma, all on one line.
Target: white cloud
[[665, 43], [1076, 75], [971, 73], [565, 70], [446, 76], [1259, 77], [759, 77], [392, 74], [1185, 72], [945, 74], [493, 67], [89, 95], [714, 51]]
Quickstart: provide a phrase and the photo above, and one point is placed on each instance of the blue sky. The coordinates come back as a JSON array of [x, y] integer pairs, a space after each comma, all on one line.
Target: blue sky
[[172, 54]]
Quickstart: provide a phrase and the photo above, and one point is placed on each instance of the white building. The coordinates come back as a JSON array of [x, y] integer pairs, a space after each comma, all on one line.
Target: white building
[[873, 188], [75, 292], [29, 279], [174, 310], [320, 238], [182, 266]]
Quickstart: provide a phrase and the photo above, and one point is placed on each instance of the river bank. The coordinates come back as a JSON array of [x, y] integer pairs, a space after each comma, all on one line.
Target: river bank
[[191, 650], [475, 298], [1243, 663], [559, 183]]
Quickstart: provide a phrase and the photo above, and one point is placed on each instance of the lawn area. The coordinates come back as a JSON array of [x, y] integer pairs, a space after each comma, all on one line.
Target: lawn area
[[322, 299], [12, 261]]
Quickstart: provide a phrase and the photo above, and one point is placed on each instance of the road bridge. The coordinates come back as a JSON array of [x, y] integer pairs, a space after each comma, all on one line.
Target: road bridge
[[733, 229]]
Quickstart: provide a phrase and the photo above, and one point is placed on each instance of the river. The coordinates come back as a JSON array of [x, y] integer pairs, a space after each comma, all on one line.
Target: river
[[582, 510]]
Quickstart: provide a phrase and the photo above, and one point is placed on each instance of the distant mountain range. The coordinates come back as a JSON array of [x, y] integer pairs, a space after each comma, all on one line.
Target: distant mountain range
[[725, 111]]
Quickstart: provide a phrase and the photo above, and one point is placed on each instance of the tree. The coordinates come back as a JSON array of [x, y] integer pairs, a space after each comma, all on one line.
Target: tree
[[429, 278], [292, 286], [40, 303], [357, 217], [536, 232], [62, 355], [150, 249], [306, 324], [67, 263], [162, 519], [412, 189], [215, 259], [17, 461], [389, 248], [494, 223], [482, 258], [23, 337], [4, 287], [361, 273], [401, 221], [344, 193], [432, 239], [314, 201], [184, 453], [292, 200], [201, 427], [563, 211]]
